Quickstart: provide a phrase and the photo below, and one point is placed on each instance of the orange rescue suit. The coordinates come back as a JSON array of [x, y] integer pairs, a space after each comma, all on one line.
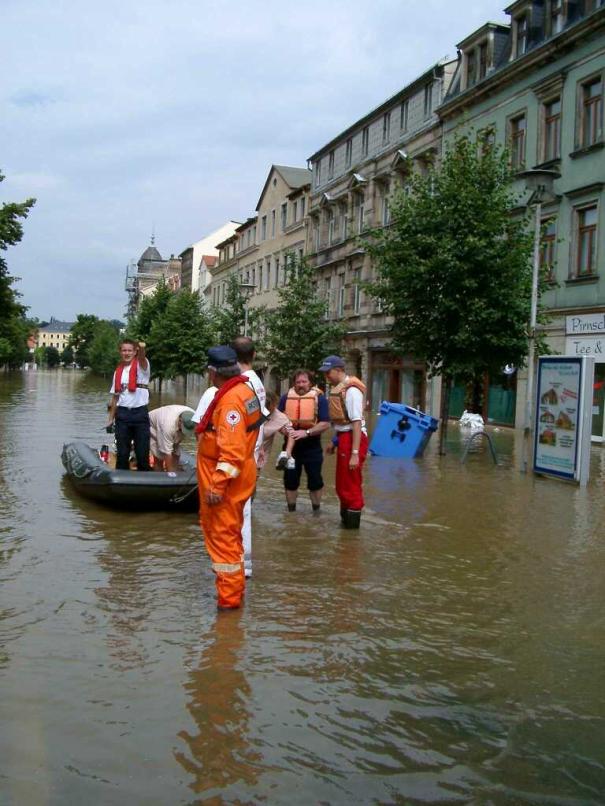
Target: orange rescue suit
[[302, 410], [226, 466]]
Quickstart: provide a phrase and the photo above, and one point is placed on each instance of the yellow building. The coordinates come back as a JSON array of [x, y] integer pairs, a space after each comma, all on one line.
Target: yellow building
[[54, 334]]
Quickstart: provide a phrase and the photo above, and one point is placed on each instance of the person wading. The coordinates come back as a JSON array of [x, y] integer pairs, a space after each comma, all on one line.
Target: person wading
[[307, 409], [226, 471], [128, 406], [346, 403]]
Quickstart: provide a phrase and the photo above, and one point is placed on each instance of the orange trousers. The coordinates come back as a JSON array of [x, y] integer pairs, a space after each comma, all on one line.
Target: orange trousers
[[221, 526]]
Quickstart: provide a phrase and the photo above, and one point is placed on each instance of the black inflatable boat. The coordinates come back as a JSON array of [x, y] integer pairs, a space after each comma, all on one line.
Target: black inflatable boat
[[129, 489]]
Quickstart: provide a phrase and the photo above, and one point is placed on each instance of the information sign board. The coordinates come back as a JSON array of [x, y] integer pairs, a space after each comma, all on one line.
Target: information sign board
[[563, 414]]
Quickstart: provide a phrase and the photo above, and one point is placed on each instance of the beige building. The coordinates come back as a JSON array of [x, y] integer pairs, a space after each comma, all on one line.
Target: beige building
[[54, 334], [354, 176], [257, 252]]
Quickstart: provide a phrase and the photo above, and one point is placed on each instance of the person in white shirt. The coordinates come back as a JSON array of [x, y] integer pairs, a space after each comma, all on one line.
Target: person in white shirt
[[128, 408], [167, 432]]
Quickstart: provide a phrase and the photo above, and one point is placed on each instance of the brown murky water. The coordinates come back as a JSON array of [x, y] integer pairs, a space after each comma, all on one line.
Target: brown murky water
[[451, 652]]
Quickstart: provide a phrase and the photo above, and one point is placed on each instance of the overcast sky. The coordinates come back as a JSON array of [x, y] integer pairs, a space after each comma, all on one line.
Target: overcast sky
[[122, 116]]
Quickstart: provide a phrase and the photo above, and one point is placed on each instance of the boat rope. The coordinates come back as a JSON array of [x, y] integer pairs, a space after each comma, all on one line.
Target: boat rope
[[177, 498]]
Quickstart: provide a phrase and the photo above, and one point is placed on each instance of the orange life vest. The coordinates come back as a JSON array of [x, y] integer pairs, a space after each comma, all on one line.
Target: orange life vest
[[302, 410], [337, 399]]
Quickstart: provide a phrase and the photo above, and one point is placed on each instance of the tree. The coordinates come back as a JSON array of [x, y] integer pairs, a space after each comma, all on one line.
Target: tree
[[229, 321], [67, 356], [81, 336], [297, 332], [454, 268], [13, 328], [150, 310], [104, 353], [180, 338], [52, 358]]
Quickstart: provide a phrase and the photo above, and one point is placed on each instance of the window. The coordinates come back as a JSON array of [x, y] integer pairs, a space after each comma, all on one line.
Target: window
[[267, 273], [522, 35], [345, 222], [428, 100], [386, 127], [356, 294], [260, 277], [556, 17], [273, 223], [547, 248], [294, 211], [365, 141], [284, 216], [328, 297], [482, 60], [471, 69], [487, 138], [318, 173], [330, 227], [360, 213], [263, 228], [518, 127], [317, 236], [586, 251], [331, 165], [386, 208], [276, 272], [592, 112], [348, 153], [302, 208], [552, 130], [341, 297], [254, 234], [404, 116]]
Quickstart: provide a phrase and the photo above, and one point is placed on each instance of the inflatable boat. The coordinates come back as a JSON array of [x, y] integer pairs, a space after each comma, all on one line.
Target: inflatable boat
[[128, 489]]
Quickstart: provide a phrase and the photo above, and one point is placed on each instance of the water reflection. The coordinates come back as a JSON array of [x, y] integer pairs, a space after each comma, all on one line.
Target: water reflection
[[218, 751]]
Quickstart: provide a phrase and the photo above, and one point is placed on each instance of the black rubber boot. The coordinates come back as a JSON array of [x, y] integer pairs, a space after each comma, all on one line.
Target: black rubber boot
[[352, 518], [291, 507], [343, 512]]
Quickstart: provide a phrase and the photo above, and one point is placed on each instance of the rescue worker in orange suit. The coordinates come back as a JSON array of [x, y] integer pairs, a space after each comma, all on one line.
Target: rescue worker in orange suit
[[346, 402], [307, 409], [226, 471]]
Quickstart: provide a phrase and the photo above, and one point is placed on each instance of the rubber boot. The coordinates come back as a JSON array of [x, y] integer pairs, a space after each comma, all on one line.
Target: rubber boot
[[352, 518], [343, 512]]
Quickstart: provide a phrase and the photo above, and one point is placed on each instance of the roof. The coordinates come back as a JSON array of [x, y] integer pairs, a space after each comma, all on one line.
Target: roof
[[209, 260], [292, 176], [55, 326], [151, 253]]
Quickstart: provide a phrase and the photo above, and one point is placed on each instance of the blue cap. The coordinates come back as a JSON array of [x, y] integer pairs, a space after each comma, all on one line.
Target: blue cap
[[332, 362], [222, 356]]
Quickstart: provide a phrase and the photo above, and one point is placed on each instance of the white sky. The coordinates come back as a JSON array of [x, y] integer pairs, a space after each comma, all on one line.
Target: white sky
[[122, 116]]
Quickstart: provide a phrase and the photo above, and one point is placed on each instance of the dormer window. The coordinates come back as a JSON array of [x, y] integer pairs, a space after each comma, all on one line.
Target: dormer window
[[556, 17], [482, 60], [471, 69], [522, 34]]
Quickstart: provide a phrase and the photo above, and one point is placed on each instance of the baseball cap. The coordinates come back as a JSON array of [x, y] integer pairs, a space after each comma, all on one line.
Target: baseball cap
[[332, 362], [221, 356], [187, 420]]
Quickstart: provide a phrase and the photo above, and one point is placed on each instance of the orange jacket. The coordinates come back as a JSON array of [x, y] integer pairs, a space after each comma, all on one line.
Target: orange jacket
[[229, 442], [302, 410], [337, 399]]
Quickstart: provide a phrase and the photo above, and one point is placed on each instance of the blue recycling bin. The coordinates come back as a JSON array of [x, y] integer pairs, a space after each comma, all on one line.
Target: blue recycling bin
[[401, 431]]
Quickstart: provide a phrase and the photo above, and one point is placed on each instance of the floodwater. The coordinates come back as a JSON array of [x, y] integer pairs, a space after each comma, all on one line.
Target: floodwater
[[452, 651]]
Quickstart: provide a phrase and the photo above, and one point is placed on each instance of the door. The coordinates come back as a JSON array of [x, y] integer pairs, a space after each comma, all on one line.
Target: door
[[598, 403]]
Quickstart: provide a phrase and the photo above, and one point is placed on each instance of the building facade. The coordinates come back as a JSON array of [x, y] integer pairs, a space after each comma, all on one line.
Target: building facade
[[354, 176], [54, 334], [537, 86]]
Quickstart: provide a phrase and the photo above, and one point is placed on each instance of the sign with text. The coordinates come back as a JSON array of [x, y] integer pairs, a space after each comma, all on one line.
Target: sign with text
[[586, 324], [563, 414], [590, 346]]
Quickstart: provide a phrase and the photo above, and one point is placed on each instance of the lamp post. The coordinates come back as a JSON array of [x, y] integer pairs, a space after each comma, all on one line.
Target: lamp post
[[540, 184], [248, 290]]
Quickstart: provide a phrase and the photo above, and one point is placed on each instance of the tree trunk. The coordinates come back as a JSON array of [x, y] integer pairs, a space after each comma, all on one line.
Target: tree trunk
[[446, 385]]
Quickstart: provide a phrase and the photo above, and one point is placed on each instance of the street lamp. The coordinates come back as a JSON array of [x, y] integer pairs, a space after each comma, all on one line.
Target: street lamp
[[540, 184], [248, 290]]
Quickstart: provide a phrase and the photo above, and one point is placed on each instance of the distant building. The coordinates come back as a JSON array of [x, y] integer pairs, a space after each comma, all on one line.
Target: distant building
[[195, 277], [54, 334], [143, 277]]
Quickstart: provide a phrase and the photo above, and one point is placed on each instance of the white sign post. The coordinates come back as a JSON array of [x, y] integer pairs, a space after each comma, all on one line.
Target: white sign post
[[563, 417]]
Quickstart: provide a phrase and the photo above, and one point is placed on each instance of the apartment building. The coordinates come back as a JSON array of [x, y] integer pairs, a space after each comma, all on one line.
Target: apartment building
[[353, 178], [258, 251], [536, 86], [54, 334]]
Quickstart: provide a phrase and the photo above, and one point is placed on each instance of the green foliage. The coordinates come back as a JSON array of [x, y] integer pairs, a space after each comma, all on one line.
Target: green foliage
[[297, 332], [13, 324], [454, 267], [150, 310], [229, 321], [67, 356], [103, 353], [180, 337], [52, 358], [81, 337]]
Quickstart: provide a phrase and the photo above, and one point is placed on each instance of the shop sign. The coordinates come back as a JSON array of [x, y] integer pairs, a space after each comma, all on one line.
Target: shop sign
[[587, 324], [590, 346], [563, 417]]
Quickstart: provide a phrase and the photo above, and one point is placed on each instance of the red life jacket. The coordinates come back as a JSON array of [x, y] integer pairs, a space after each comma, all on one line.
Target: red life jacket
[[132, 377]]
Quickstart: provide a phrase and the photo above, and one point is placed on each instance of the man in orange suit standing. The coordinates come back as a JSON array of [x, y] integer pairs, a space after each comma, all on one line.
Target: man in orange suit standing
[[226, 471]]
